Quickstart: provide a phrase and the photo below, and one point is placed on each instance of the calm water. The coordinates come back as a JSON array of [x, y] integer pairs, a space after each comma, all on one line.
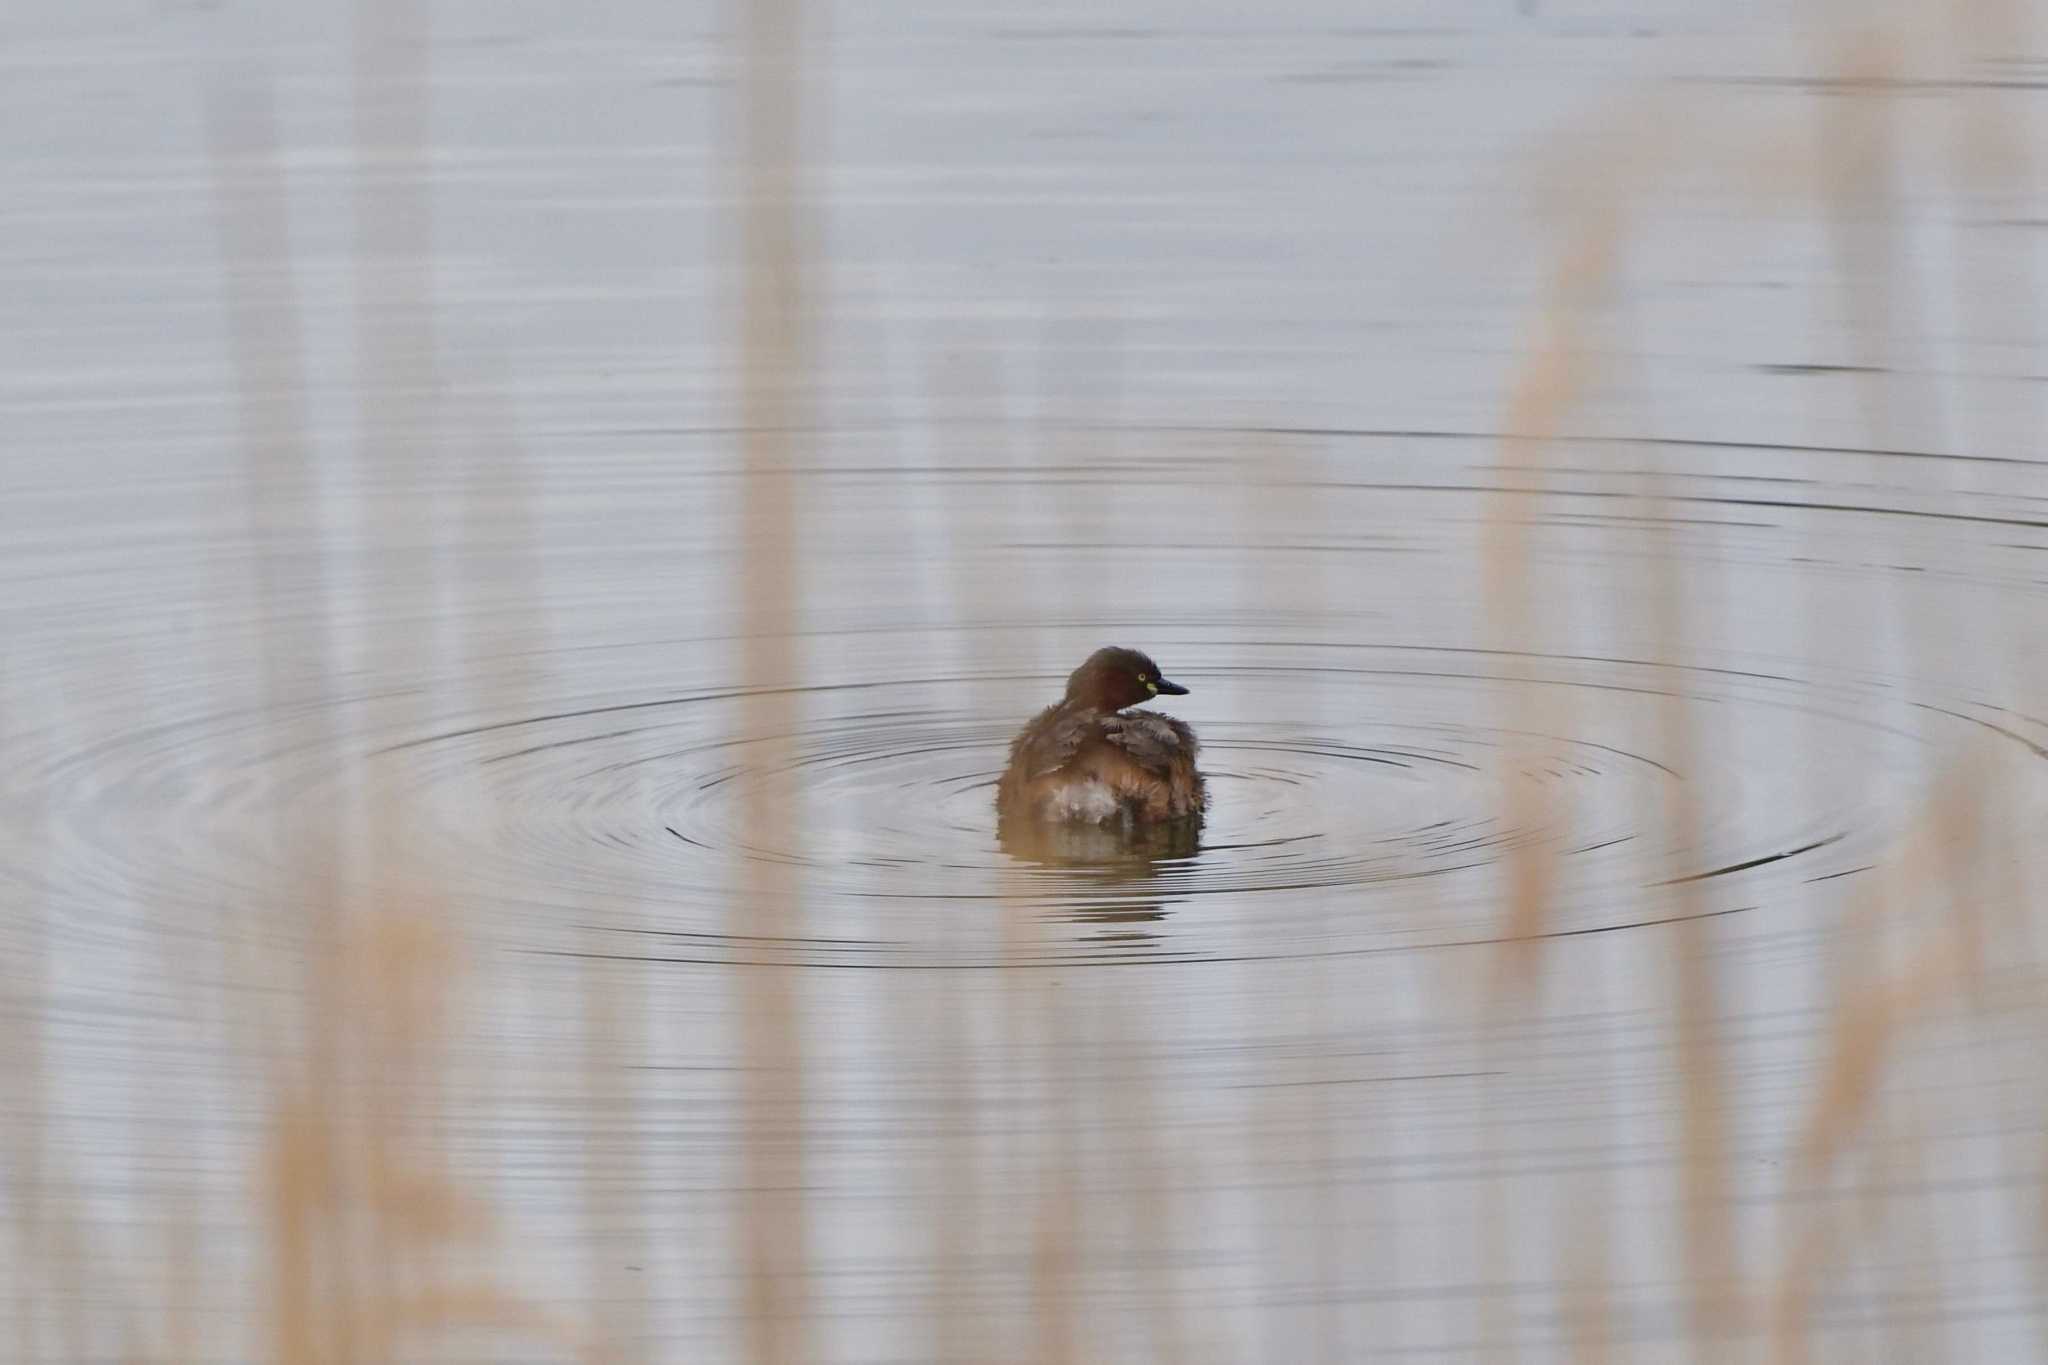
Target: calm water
[[1182, 329]]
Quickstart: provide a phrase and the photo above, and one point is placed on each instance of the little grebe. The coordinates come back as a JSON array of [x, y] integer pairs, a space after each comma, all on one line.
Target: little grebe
[[1088, 760]]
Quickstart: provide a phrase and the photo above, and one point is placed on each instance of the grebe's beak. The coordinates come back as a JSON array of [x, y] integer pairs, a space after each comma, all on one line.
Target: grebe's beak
[[1165, 688]]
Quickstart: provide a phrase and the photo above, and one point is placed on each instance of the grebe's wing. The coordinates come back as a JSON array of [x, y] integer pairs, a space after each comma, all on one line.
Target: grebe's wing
[[1052, 739], [1154, 741]]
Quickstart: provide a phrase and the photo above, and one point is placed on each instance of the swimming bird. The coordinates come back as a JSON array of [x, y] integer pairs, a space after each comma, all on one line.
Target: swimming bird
[[1087, 760]]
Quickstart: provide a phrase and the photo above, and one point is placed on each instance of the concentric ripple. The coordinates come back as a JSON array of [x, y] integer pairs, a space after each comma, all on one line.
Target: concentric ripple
[[1356, 797]]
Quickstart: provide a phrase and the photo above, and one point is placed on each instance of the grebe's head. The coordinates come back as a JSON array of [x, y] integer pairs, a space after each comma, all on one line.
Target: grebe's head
[[1112, 679]]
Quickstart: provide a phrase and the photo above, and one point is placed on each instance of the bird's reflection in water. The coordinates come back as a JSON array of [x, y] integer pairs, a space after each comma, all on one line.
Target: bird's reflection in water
[[1112, 875]]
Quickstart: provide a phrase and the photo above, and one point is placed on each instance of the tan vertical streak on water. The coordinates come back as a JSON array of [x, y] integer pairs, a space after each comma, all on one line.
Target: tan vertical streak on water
[[1548, 383], [287, 600], [1546, 386], [1995, 279], [48, 1306], [1997, 284], [385, 1130], [1713, 1290], [1861, 171], [771, 1249], [614, 1174], [1862, 188], [1714, 1296], [285, 593], [1867, 151], [365, 1225], [502, 582], [1588, 1294], [1878, 1001], [397, 365], [266, 354], [1038, 1019], [957, 1193], [1132, 1106]]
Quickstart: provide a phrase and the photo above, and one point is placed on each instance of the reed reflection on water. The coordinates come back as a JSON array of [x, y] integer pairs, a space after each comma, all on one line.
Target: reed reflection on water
[[525, 550]]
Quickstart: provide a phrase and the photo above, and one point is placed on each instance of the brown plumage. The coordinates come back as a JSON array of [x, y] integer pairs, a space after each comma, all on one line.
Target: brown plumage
[[1090, 761]]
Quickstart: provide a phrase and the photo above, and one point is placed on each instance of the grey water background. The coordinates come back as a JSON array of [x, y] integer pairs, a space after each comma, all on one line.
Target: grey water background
[[371, 441]]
